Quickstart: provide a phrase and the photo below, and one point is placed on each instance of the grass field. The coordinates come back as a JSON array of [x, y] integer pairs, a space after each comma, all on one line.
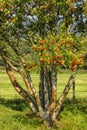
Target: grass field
[[7, 90], [16, 115]]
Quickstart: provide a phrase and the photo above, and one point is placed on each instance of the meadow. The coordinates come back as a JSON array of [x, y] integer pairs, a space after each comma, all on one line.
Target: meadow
[[16, 115]]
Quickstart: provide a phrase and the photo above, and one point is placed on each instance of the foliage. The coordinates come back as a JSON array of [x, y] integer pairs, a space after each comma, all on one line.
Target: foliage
[[39, 22]]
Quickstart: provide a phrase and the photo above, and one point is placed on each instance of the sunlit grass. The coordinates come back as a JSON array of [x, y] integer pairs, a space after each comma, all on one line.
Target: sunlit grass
[[7, 90]]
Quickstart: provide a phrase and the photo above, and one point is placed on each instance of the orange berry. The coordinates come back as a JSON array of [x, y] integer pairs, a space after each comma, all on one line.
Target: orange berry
[[58, 46], [73, 8], [43, 60], [42, 48], [63, 43], [53, 42], [51, 61], [35, 48], [59, 56], [74, 61], [42, 41], [79, 63], [59, 62]]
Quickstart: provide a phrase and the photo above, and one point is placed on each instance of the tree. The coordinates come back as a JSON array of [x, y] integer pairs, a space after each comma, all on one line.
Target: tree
[[38, 36]]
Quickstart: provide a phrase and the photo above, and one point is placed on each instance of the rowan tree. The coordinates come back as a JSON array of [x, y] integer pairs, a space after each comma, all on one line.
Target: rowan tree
[[42, 36]]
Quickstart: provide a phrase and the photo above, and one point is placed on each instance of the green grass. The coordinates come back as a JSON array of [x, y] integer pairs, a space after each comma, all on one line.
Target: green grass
[[7, 90], [16, 115]]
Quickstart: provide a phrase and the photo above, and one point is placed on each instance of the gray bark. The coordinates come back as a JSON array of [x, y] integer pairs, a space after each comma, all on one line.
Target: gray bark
[[41, 87], [47, 87], [73, 88]]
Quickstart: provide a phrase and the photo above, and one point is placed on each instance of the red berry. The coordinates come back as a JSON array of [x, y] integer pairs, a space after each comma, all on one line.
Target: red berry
[[63, 43], [59, 62], [79, 63], [53, 42], [51, 61], [42, 48]]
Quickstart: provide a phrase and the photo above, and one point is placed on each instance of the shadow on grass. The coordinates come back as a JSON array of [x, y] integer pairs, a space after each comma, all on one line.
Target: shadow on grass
[[32, 119], [76, 104], [22, 114], [15, 104], [27, 118], [19, 104]]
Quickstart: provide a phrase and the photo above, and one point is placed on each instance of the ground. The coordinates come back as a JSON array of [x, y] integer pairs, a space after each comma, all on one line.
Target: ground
[[16, 115]]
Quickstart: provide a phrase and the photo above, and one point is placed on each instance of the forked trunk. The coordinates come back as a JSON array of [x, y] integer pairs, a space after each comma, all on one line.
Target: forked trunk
[[48, 107], [47, 87]]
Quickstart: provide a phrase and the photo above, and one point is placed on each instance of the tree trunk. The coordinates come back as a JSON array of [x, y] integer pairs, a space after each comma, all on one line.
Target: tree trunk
[[32, 100], [44, 87], [41, 87], [53, 88], [62, 97], [46, 104], [73, 88], [47, 87], [20, 90]]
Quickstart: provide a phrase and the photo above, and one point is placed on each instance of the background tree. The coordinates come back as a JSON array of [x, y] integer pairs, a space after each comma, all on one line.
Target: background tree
[[37, 35]]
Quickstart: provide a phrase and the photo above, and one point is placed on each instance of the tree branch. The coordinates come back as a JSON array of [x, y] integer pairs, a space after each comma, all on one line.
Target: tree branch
[[18, 87], [63, 96], [23, 76]]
